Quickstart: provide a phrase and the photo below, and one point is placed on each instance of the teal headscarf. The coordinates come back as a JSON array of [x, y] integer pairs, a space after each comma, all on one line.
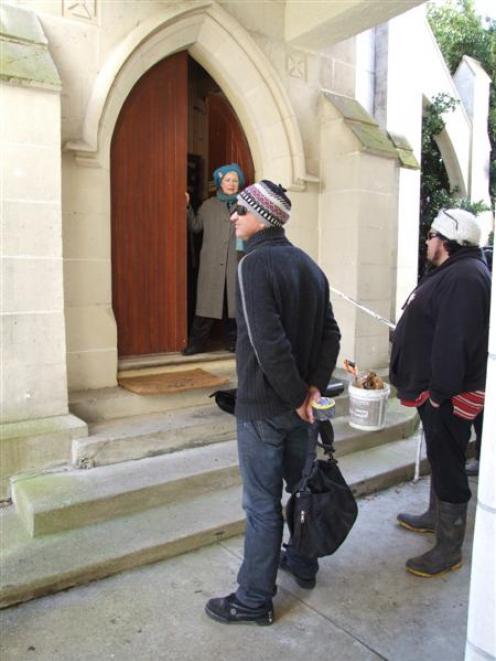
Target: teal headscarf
[[230, 200], [219, 175]]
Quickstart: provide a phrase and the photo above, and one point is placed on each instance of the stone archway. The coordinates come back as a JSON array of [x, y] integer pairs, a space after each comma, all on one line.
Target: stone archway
[[228, 53]]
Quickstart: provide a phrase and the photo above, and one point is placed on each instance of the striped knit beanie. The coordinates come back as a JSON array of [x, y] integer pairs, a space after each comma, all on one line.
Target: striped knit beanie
[[267, 201]]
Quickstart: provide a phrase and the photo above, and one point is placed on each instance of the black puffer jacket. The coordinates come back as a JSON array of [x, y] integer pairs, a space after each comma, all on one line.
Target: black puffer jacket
[[288, 338], [440, 342]]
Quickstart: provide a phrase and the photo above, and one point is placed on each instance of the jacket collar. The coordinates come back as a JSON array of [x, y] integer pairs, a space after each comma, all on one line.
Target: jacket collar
[[271, 234], [467, 252]]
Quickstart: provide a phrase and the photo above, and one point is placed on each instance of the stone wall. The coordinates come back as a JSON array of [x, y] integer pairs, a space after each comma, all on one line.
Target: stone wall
[[35, 429]]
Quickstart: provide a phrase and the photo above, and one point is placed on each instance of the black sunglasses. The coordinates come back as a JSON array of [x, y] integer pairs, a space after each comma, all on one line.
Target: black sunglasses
[[238, 209]]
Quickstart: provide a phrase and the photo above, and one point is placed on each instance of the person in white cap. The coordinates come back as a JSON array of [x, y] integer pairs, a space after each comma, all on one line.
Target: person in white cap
[[438, 364]]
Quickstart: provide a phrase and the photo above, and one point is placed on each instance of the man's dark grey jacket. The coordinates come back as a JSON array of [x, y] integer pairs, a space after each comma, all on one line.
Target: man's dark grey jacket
[[288, 338], [440, 342]]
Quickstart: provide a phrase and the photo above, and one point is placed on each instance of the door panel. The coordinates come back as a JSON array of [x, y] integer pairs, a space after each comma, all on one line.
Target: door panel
[[148, 180], [226, 140]]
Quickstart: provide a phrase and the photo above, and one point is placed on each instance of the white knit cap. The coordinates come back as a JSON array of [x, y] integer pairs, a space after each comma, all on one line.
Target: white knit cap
[[458, 225]]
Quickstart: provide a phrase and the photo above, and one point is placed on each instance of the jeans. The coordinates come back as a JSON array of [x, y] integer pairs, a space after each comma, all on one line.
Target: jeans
[[270, 450], [446, 437]]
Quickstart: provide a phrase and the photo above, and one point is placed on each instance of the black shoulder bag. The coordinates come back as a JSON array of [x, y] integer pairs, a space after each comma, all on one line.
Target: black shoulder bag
[[322, 510]]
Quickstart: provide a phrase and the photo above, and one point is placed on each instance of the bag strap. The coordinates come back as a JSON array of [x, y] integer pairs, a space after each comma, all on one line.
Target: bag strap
[[324, 429], [243, 305], [326, 432]]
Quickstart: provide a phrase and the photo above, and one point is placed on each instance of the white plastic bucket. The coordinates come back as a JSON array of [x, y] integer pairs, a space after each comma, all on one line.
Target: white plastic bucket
[[368, 407]]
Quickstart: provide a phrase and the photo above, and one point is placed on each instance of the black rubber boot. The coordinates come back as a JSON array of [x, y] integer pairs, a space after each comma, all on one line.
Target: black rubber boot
[[422, 523], [447, 553], [229, 610]]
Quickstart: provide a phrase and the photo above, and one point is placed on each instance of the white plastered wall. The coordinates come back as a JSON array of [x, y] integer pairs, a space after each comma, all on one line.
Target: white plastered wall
[[357, 210]]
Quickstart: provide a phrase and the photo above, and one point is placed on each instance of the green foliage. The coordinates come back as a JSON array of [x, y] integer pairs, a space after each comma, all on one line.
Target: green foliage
[[435, 190], [460, 31]]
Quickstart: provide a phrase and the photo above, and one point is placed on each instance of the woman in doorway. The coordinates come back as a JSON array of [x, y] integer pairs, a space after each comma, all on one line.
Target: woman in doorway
[[215, 298]]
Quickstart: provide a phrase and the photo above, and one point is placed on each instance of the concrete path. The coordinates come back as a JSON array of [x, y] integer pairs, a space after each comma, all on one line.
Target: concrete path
[[365, 606]]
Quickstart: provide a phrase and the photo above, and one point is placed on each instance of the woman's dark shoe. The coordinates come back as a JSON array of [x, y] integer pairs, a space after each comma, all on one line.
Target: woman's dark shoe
[[229, 610], [307, 583], [191, 349]]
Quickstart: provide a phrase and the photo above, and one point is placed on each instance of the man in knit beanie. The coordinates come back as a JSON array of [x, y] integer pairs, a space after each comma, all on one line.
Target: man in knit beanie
[[286, 350]]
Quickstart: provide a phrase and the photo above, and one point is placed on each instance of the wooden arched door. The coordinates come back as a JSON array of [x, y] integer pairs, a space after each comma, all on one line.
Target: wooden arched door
[[148, 180], [226, 140]]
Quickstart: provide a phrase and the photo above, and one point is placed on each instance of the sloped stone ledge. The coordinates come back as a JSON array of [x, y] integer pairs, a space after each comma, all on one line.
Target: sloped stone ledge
[[372, 139], [24, 55]]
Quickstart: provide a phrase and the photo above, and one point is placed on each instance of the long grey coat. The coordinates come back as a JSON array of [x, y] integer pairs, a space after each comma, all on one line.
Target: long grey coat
[[217, 259]]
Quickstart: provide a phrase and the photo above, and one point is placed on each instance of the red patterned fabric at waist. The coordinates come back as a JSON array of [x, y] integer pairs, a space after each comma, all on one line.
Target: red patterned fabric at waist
[[468, 405], [421, 399]]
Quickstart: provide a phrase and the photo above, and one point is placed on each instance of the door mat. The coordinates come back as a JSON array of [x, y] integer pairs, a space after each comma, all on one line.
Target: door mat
[[171, 382]]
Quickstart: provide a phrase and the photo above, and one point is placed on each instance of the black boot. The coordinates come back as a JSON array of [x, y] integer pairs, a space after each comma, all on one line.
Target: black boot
[[447, 553], [200, 330], [229, 334], [425, 522], [229, 610]]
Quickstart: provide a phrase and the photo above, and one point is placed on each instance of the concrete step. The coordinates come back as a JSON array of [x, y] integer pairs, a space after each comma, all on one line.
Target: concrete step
[[51, 502], [32, 567], [103, 404], [144, 436], [137, 437], [165, 359]]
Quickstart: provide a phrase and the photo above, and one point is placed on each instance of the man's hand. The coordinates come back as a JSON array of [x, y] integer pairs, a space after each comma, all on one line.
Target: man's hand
[[305, 411]]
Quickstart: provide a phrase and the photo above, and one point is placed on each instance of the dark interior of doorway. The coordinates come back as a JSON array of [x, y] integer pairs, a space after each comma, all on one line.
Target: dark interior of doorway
[[215, 137]]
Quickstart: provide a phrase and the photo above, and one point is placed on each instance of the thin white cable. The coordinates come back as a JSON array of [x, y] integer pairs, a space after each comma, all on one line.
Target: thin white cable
[[388, 323], [416, 475]]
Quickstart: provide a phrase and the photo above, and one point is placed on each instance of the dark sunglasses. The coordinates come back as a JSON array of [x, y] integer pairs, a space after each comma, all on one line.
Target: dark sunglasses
[[238, 209]]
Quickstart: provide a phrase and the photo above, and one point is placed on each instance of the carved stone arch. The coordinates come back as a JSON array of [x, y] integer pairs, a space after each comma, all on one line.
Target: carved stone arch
[[228, 53], [451, 162], [453, 143]]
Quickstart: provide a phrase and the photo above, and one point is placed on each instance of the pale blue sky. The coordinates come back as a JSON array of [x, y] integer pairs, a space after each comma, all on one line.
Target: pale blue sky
[[486, 7], [483, 7]]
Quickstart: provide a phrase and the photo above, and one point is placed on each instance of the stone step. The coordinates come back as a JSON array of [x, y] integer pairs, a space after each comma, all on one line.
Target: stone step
[[144, 436], [104, 404], [32, 567], [50, 502]]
